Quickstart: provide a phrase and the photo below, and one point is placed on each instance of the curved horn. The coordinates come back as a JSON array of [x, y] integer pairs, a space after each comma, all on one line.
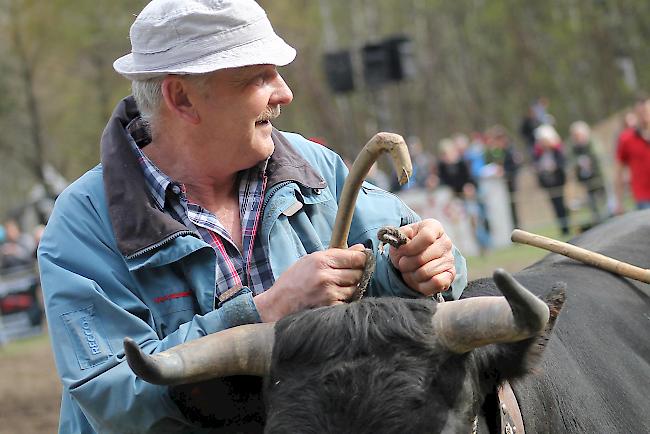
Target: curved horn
[[242, 350], [473, 322], [381, 142]]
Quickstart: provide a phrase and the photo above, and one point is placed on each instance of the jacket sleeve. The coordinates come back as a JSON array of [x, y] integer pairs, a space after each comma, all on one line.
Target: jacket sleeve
[[387, 280], [386, 272], [90, 309]]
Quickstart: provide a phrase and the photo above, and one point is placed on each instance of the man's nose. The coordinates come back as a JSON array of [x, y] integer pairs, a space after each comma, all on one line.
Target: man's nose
[[282, 94]]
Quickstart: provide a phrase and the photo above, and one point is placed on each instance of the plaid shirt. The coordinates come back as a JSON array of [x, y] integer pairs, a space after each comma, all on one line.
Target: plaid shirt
[[234, 269]]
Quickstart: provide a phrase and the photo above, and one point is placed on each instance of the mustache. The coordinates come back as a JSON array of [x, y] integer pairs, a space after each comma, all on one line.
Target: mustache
[[271, 112]]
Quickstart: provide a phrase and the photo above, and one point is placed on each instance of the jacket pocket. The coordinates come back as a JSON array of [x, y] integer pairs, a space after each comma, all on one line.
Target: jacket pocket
[[87, 336], [168, 295]]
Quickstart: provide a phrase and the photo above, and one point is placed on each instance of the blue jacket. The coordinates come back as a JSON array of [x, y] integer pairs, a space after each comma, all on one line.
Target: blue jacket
[[113, 265]]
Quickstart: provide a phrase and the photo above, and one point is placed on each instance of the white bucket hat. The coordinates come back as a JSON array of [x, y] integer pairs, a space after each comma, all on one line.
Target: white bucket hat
[[548, 133], [200, 36]]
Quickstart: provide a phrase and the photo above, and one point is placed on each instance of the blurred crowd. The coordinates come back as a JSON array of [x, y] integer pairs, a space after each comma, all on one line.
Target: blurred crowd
[[21, 311], [17, 248], [463, 163]]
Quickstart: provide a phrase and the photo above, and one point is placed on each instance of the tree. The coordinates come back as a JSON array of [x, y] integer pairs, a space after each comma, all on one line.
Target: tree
[[479, 62]]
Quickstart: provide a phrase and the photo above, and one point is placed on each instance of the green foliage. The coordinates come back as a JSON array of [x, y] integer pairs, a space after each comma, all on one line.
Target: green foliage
[[479, 62], [24, 346]]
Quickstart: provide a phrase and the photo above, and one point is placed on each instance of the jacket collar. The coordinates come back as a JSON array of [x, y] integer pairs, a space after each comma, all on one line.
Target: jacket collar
[[137, 221], [286, 164]]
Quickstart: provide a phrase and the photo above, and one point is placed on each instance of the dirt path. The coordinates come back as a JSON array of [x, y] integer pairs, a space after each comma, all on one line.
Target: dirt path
[[29, 388]]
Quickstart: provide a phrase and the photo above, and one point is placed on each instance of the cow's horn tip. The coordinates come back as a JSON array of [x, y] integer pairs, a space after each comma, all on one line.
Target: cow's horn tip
[[140, 363], [500, 273]]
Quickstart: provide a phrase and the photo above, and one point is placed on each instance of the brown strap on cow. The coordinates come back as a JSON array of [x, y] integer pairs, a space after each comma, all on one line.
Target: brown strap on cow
[[509, 412]]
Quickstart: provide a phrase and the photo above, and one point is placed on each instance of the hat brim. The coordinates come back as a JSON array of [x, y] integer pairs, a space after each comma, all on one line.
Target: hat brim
[[265, 51]]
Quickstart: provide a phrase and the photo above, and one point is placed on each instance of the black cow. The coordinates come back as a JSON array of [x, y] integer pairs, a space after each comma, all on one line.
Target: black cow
[[595, 374], [389, 366]]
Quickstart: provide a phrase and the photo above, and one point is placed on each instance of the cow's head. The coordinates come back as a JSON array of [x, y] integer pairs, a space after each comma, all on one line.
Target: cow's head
[[374, 366]]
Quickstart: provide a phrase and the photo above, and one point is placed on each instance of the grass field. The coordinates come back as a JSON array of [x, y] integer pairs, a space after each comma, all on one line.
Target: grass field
[[512, 258], [30, 391], [23, 346]]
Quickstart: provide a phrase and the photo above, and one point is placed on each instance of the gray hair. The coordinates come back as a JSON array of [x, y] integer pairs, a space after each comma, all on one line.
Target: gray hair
[[148, 94], [580, 127]]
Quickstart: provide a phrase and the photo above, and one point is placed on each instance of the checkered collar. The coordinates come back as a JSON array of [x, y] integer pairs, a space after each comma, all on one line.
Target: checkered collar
[[159, 183]]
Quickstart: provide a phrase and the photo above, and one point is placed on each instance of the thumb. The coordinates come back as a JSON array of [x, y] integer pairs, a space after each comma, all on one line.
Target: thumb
[[410, 230]]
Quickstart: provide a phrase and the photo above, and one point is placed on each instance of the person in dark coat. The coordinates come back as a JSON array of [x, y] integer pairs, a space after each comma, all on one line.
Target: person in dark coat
[[452, 168], [549, 165], [501, 151], [587, 168]]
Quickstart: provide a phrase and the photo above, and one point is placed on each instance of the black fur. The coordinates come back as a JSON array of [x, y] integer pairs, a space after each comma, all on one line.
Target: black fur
[[363, 367], [375, 366]]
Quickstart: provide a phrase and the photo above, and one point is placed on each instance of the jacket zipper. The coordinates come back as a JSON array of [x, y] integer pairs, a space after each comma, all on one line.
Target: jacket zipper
[[272, 191], [175, 235], [160, 243]]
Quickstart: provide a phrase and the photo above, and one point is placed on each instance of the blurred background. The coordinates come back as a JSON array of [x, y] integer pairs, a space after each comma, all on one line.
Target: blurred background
[[485, 93]]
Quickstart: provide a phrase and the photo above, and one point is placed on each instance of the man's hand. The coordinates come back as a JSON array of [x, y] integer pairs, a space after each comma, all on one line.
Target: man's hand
[[318, 279], [426, 262]]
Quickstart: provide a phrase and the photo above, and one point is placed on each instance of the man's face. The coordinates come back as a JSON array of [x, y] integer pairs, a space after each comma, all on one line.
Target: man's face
[[643, 113], [580, 136], [12, 232], [236, 109]]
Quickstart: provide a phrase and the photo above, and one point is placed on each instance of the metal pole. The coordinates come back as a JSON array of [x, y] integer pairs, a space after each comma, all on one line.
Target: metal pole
[[378, 97], [342, 102]]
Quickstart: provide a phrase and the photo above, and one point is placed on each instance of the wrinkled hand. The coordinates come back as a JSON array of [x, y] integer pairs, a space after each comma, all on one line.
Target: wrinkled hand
[[322, 278], [427, 261]]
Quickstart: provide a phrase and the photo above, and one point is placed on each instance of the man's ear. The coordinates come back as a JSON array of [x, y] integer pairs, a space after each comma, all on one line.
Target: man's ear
[[178, 99]]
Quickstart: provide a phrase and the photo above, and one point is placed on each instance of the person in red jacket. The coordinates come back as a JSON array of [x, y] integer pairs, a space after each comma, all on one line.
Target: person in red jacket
[[633, 154]]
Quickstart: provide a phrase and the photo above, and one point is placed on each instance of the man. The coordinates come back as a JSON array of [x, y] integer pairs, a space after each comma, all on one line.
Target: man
[[202, 217], [587, 168], [550, 167], [17, 249], [633, 153]]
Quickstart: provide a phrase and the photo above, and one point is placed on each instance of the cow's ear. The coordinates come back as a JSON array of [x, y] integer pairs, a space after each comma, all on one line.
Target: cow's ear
[[508, 361]]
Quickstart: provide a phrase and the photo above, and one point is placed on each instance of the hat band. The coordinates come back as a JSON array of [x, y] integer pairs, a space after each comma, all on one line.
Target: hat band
[[189, 51]]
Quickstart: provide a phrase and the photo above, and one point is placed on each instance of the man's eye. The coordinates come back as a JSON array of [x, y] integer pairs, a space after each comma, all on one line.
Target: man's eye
[[259, 79]]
